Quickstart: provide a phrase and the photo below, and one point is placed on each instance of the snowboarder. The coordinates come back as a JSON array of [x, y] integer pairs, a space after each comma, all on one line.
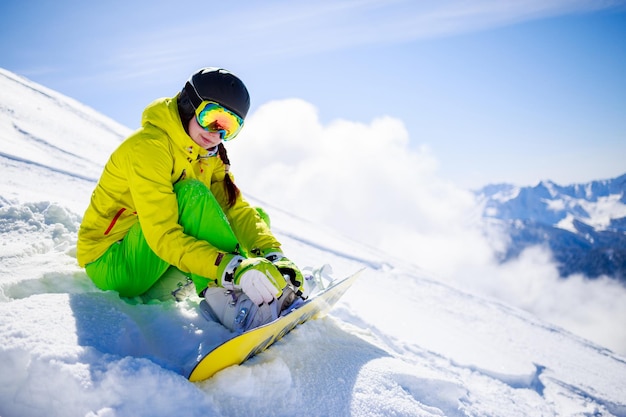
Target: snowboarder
[[166, 203]]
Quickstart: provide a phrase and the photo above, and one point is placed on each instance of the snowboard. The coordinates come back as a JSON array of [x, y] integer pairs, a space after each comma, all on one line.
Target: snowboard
[[242, 347]]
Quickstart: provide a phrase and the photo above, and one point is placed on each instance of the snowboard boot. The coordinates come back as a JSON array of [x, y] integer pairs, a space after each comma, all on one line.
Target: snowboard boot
[[173, 285], [235, 311]]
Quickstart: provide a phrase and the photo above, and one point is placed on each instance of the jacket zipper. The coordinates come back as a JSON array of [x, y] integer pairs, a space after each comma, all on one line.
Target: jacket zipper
[[117, 216]]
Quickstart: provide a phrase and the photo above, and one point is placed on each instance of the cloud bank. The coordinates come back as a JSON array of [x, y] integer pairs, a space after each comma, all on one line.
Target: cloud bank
[[368, 182]]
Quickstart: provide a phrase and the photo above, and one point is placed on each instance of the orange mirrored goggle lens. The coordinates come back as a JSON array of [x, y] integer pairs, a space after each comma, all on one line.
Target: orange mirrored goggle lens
[[215, 118]]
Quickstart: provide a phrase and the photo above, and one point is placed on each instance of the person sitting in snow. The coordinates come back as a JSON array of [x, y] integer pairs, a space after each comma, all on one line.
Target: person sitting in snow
[[166, 204]]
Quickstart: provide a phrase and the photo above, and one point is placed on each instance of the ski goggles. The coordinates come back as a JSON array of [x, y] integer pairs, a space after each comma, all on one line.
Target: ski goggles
[[214, 117]]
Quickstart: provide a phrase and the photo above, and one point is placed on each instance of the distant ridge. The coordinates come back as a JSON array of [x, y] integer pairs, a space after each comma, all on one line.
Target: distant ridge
[[583, 224]]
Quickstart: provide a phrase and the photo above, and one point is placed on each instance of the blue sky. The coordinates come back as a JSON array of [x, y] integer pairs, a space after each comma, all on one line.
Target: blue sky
[[498, 91]]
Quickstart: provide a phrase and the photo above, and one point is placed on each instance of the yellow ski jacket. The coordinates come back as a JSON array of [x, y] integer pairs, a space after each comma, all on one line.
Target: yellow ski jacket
[[137, 186]]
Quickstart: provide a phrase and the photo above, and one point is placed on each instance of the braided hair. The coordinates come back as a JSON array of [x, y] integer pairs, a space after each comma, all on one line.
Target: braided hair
[[232, 191]]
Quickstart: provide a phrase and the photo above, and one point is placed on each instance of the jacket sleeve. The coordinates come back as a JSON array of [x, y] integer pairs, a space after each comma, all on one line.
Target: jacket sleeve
[[149, 168]]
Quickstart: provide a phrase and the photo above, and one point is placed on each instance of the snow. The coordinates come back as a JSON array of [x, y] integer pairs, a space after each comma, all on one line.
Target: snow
[[398, 343], [598, 213], [605, 209]]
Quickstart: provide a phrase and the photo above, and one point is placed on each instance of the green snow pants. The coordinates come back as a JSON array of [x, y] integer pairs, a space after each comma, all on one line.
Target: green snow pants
[[130, 267]]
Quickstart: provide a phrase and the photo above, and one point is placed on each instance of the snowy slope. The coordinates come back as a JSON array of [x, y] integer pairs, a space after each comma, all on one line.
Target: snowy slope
[[399, 343], [54, 138]]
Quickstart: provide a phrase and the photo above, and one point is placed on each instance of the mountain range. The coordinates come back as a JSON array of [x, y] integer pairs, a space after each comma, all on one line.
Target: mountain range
[[584, 225]]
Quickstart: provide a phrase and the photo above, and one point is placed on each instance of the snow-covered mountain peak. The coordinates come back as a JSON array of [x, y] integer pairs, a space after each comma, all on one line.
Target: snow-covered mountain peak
[[592, 215], [549, 203]]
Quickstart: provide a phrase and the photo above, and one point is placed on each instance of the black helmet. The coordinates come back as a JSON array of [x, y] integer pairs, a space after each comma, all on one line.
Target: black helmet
[[221, 86]]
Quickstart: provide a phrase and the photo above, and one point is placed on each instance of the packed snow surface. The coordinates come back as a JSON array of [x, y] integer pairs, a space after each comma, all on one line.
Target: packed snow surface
[[399, 343]]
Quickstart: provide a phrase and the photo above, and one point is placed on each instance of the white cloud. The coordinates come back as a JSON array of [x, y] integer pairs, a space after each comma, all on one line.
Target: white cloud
[[324, 25], [279, 29], [362, 178], [368, 182], [594, 309]]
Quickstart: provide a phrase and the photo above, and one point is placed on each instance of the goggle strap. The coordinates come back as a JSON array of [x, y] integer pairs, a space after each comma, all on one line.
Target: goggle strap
[[197, 100]]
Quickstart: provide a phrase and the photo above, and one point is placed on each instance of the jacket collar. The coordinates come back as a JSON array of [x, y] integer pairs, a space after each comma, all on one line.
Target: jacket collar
[[163, 114]]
